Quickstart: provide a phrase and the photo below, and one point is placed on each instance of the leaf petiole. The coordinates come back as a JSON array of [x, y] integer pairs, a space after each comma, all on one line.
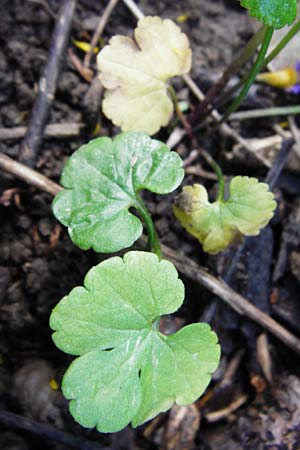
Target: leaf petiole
[[218, 171], [283, 43], [153, 239], [252, 75]]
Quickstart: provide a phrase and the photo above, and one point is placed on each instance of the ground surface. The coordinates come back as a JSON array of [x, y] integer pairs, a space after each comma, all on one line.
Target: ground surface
[[39, 264]]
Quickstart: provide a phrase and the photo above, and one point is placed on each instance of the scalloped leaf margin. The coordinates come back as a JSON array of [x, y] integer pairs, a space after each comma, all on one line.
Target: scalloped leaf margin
[[102, 181], [216, 225], [274, 13], [127, 370], [135, 74]]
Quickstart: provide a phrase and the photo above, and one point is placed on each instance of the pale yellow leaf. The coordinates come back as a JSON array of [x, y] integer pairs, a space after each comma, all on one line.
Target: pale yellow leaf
[[135, 74]]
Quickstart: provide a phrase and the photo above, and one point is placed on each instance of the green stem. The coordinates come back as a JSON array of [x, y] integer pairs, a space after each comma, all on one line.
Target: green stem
[[218, 171], [279, 47], [244, 55], [284, 41], [267, 112], [252, 75], [153, 239], [241, 59]]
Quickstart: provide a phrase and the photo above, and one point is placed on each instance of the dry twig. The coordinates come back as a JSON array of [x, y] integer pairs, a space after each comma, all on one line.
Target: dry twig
[[55, 130], [223, 413], [86, 73], [18, 422], [47, 85], [295, 134], [236, 65], [198, 171], [231, 369], [263, 356], [230, 297], [191, 158], [225, 129], [99, 30], [28, 175]]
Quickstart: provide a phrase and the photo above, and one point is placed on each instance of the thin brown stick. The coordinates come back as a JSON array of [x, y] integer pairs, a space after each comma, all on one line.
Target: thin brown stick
[[136, 11], [236, 65], [28, 175], [231, 298], [224, 128], [99, 30], [198, 171], [221, 414], [86, 73], [193, 156], [231, 369], [55, 130], [263, 356], [47, 432], [47, 85], [295, 134], [184, 264]]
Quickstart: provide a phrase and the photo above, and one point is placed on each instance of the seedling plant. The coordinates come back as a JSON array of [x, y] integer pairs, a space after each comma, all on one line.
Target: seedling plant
[[126, 370]]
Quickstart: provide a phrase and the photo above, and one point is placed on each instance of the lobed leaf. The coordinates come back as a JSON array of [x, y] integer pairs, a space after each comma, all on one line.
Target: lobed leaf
[[127, 370], [216, 225], [102, 181], [275, 13], [135, 74]]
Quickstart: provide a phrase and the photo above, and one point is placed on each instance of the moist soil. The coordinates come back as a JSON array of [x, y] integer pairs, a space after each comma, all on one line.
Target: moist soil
[[39, 264]]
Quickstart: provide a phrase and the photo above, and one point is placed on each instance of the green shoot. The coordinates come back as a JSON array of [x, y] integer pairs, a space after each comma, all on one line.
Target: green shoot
[[252, 75]]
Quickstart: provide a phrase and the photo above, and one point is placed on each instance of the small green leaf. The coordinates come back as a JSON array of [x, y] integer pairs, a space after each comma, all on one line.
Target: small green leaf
[[128, 371], [103, 180], [275, 13], [216, 225]]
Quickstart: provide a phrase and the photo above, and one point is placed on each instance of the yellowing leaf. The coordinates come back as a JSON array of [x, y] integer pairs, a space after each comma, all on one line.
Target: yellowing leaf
[[135, 74], [216, 225]]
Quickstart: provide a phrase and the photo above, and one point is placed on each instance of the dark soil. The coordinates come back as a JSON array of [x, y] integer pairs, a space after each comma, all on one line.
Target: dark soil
[[39, 264]]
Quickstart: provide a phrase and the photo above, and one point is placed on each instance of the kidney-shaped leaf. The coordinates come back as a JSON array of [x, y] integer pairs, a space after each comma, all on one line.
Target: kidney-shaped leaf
[[135, 74], [275, 13], [249, 208], [128, 371], [102, 181]]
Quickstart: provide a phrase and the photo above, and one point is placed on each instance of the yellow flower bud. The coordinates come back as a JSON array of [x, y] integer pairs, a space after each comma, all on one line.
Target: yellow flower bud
[[284, 79]]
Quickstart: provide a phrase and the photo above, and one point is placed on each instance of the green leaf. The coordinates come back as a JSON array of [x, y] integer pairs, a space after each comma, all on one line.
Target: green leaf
[[103, 180], [128, 371], [275, 13], [249, 208]]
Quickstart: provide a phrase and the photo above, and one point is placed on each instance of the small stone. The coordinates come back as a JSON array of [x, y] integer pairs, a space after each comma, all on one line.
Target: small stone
[[45, 227], [24, 222]]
